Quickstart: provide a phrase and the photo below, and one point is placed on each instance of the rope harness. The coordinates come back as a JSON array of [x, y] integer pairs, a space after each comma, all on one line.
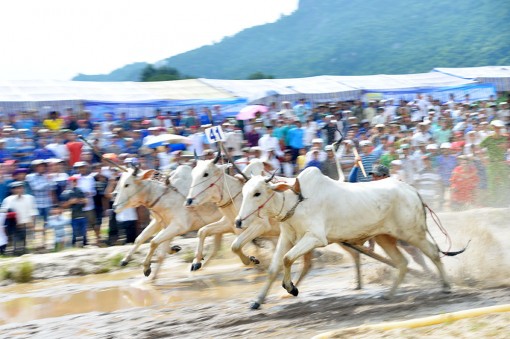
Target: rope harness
[[230, 200], [134, 194], [437, 221], [205, 189], [258, 208], [291, 212], [287, 215], [220, 189]]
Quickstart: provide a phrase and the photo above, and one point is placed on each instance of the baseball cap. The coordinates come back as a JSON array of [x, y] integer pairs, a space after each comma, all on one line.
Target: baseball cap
[[80, 164], [497, 123], [379, 170], [16, 184], [38, 162]]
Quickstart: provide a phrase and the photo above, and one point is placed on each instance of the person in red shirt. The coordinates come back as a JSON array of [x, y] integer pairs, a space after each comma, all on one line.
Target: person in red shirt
[[464, 182], [74, 147]]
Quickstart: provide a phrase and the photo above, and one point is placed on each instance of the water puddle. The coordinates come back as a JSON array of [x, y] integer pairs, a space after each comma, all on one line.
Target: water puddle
[[23, 309], [176, 287], [125, 289]]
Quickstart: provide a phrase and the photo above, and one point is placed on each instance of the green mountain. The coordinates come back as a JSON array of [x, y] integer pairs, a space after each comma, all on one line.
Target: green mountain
[[131, 72], [340, 37]]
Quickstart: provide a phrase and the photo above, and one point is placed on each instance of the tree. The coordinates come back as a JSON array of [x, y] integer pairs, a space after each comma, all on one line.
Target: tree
[[165, 73], [259, 75]]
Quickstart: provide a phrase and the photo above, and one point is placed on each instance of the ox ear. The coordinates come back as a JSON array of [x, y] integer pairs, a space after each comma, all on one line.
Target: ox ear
[[240, 178], [147, 174], [297, 187], [225, 167], [268, 167], [281, 187]]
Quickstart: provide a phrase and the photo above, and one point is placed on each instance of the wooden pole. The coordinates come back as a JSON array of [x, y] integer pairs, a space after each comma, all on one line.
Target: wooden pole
[[356, 154]]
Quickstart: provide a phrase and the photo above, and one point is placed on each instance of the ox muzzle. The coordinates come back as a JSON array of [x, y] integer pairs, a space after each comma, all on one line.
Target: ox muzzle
[[239, 223], [189, 202]]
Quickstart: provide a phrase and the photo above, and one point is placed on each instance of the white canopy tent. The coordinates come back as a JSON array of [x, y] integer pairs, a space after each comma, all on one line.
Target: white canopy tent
[[314, 89], [56, 95], [499, 76], [406, 86]]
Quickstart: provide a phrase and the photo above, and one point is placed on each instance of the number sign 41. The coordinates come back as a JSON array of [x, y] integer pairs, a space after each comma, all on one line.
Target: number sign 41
[[214, 134]]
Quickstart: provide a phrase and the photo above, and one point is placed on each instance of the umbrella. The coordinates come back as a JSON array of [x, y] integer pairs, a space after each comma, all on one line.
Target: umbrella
[[249, 112], [163, 139]]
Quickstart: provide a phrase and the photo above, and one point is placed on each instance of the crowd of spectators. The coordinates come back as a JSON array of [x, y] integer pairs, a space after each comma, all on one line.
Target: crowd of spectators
[[456, 153]]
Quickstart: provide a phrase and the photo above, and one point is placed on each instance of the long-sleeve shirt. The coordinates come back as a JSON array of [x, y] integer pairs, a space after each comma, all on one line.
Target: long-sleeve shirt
[[356, 175], [42, 188]]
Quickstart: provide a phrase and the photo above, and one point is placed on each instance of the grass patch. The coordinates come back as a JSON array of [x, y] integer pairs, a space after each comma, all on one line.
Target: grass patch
[[24, 272], [188, 256], [21, 273], [5, 273], [102, 270], [115, 260]]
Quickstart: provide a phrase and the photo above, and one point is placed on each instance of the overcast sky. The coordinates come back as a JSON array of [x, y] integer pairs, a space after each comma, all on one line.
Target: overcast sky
[[57, 39]]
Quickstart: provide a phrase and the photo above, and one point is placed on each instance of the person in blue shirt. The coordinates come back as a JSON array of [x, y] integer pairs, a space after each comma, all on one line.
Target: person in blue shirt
[[4, 153], [296, 139], [41, 152], [367, 159], [25, 122], [83, 128], [205, 116]]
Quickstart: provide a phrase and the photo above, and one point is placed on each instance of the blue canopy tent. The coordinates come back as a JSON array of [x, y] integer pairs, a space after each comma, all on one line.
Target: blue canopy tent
[[146, 109]]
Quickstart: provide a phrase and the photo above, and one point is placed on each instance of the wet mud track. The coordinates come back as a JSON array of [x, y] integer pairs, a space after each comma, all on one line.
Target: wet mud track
[[217, 306]]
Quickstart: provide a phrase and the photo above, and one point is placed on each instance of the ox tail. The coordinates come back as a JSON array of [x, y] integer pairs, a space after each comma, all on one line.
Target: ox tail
[[437, 221]]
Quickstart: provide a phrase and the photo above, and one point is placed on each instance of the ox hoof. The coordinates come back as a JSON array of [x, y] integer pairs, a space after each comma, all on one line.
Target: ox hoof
[[386, 296], [254, 260], [446, 289], [254, 305], [196, 266], [123, 263], [147, 272], [175, 249], [293, 289]]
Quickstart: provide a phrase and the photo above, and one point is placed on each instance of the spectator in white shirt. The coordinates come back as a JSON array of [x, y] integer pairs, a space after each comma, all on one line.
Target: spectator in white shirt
[[268, 142], [87, 184], [26, 210], [378, 117], [126, 221], [233, 139], [310, 132]]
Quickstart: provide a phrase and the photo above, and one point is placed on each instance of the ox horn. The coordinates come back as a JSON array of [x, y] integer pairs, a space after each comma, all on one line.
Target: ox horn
[[137, 168], [218, 156], [271, 177], [195, 154], [100, 155], [234, 165]]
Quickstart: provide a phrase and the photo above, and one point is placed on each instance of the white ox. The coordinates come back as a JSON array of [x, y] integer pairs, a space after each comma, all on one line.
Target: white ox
[[165, 203], [210, 184], [321, 211]]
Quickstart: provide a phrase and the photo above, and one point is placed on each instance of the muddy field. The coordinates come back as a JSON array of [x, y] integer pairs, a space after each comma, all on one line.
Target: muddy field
[[214, 302]]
